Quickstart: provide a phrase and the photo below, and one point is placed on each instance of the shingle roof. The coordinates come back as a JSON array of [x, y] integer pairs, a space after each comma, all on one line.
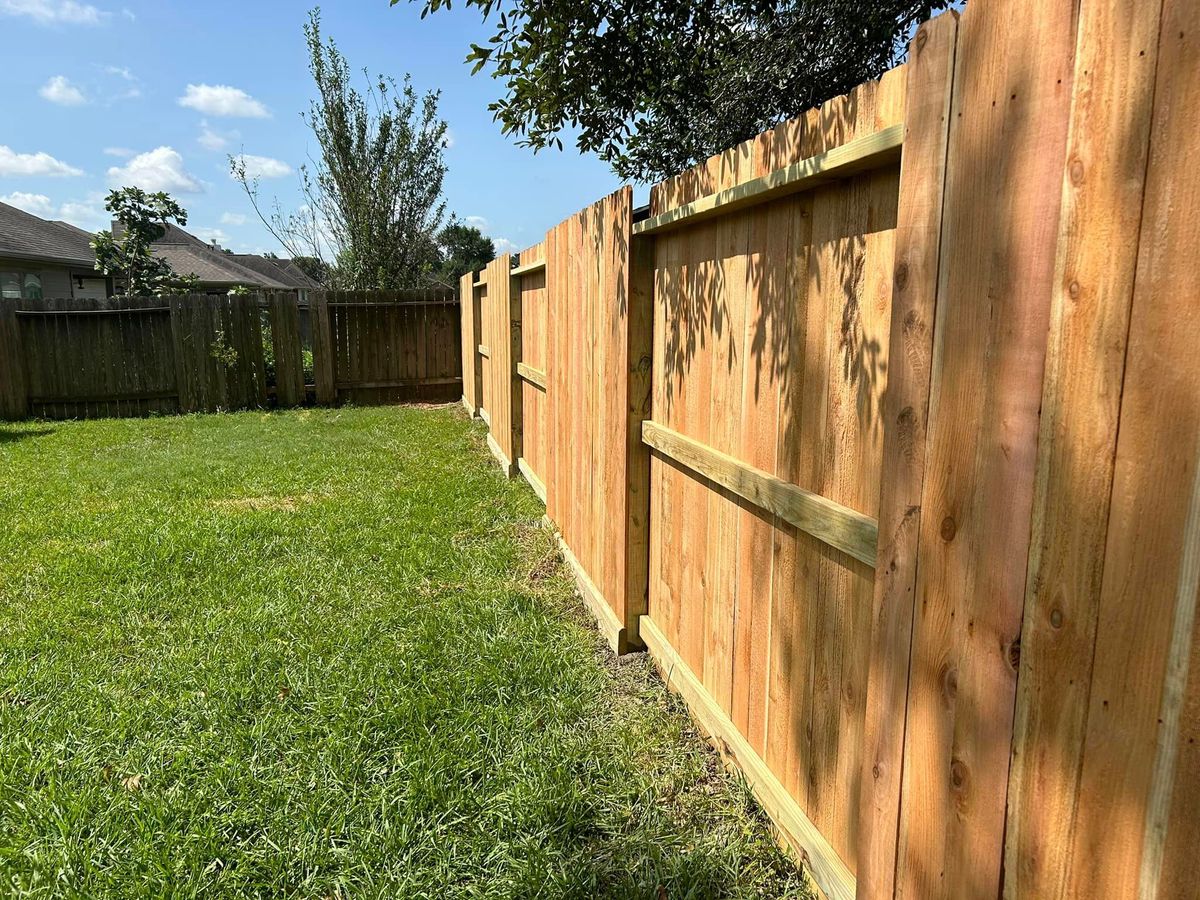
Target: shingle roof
[[282, 270], [25, 236]]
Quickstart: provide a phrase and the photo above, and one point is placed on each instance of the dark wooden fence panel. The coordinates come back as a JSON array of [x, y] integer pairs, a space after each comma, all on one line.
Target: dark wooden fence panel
[[131, 356], [375, 347], [286, 342]]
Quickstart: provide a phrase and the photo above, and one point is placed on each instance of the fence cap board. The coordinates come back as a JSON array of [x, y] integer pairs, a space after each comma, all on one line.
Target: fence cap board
[[867, 152]]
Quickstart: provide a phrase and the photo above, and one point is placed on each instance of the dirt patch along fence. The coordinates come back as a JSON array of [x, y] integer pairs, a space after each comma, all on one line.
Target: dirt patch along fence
[[882, 432], [158, 355]]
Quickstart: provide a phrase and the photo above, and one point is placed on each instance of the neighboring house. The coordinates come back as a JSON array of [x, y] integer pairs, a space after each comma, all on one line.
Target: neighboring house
[[44, 259], [218, 270], [40, 258]]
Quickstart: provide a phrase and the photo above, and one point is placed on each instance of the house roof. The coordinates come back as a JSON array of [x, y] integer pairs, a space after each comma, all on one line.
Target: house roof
[[25, 236], [284, 270]]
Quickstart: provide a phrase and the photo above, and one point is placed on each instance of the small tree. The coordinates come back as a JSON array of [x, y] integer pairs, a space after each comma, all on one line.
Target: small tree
[[143, 219], [373, 199], [461, 248]]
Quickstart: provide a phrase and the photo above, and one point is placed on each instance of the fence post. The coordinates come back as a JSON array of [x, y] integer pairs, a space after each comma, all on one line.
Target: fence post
[[14, 399], [516, 390], [323, 362]]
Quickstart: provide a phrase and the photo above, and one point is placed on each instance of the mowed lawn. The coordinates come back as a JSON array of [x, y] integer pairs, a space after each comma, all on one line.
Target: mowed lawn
[[327, 654]]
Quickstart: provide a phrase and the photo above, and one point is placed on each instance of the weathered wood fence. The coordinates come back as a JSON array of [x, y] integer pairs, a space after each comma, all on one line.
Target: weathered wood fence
[[138, 356], [882, 433]]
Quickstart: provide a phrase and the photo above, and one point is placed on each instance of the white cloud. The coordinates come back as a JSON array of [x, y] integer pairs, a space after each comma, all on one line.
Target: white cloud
[[160, 169], [88, 214], [38, 204], [502, 244], [211, 140], [232, 219], [119, 152], [59, 90], [222, 100], [53, 12], [263, 167], [132, 89], [209, 235], [13, 163], [449, 138]]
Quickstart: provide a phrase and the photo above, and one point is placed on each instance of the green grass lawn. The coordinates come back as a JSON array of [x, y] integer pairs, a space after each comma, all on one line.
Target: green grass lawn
[[327, 654]]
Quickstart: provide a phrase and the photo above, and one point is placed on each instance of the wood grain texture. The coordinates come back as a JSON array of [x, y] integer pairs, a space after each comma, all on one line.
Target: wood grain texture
[[591, 340], [827, 870], [904, 412], [1006, 156], [878, 149], [1102, 187], [1135, 831], [851, 532], [469, 328], [770, 350]]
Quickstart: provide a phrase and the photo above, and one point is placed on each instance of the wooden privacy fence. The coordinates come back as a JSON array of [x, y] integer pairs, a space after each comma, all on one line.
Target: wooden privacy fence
[[138, 356], [387, 346], [881, 431]]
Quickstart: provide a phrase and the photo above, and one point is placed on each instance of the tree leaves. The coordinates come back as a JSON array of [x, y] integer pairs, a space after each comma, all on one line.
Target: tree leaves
[[654, 86]]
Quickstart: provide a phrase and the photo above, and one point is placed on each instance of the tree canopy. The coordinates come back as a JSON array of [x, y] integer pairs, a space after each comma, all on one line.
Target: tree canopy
[[126, 255], [373, 198], [654, 86], [461, 248]]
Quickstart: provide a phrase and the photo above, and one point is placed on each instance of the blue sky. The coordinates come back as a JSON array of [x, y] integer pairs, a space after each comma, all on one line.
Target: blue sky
[[101, 93]]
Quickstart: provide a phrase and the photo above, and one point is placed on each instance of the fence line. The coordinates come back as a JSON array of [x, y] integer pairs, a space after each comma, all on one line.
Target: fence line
[[881, 428], [138, 356]]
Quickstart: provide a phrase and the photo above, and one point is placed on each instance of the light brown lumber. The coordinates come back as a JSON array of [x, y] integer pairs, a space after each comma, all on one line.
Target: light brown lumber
[[532, 375], [610, 626], [904, 412], [1102, 187], [505, 464], [1007, 150], [827, 869], [529, 268], [845, 529], [869, 151], [1136, 833], [536, 483], [484, 351]]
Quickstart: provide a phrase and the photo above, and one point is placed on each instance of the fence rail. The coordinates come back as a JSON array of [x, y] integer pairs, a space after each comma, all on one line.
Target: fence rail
[[881, 429], [139, 356]]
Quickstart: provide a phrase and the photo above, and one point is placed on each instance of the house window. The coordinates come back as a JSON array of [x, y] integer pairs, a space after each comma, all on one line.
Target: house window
[[20, 286]]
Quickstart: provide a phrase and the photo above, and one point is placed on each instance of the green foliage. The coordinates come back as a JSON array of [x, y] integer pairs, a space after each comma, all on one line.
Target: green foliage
[[461, 249], [240, 290], [327, 653], [126, 255], [315, 268], [654, 86], [373, 202], [221, 351]]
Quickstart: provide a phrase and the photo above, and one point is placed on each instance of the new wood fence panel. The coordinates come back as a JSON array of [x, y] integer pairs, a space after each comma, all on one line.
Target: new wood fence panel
[[471, 339], [1004, 181], [534, 337], [592, 338], [772, 328], [499, 366], [904, 416]]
